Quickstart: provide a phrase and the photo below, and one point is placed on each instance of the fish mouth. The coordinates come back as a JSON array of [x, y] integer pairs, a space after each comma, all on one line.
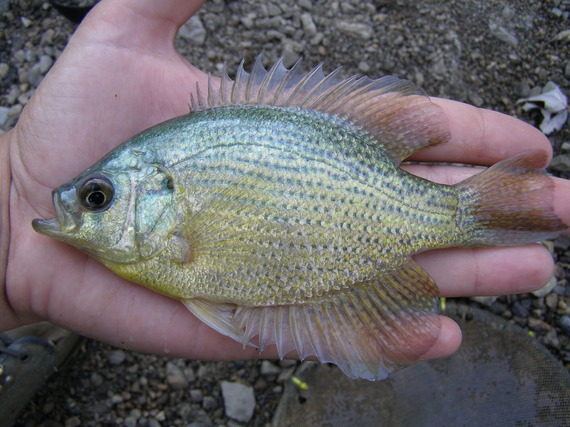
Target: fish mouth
[[65, 221]]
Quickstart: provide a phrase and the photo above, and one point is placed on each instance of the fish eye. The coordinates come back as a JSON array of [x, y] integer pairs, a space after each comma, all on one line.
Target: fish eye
[[96, 193]]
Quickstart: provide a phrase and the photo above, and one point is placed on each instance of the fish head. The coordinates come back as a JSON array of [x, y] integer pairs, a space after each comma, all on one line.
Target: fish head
[[121, 215]]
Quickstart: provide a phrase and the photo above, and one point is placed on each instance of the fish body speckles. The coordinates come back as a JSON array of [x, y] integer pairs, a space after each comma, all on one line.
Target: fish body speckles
[[277, 213]]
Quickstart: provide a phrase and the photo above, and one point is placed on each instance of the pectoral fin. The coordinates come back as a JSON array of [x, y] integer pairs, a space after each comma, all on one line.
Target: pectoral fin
[[368, 331]]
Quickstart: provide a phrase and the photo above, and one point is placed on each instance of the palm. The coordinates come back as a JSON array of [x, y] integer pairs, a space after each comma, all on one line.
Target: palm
[[119, 75]]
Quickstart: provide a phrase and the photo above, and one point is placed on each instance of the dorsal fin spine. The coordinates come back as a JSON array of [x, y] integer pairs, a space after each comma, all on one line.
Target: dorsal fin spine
[[393, 112]]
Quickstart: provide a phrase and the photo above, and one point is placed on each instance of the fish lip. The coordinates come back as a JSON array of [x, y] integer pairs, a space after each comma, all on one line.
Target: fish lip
[[65, 221]]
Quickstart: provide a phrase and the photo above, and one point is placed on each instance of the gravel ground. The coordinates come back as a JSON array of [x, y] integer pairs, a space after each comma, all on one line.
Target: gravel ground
[[485, 53]]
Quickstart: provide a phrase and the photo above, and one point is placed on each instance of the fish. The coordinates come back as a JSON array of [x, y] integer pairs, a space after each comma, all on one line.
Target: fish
[[277, 212]]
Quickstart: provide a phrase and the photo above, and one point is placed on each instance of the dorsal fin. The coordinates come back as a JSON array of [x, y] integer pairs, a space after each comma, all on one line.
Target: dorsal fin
[[398, 115]]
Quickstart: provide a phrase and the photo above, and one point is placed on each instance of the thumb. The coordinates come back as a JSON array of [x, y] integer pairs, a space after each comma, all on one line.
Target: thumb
[[148, 24]]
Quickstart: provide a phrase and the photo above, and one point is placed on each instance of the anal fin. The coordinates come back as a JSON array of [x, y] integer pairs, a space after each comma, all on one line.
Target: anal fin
[[368, 331]]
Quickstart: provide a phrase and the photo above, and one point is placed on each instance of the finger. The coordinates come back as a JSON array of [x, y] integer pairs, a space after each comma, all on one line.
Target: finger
[[488, 271], [154, 22], [482, 137], [448, 341]]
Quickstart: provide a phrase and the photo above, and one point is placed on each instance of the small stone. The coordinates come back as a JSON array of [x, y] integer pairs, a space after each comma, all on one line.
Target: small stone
[[268, 368], [476, 99], [309, 26], [4, 115], [45, 63], [522, 89], [73, 422], [193, 31], [175, 377], [130, 422], [546, 289], [520, 310], [305, 4], [419, 78], [209, 403], [239, 401], [538, 325], [564, 323], [551, 339], [196, 395], [4, 68], [34, 76], [567, 70], [286, 375], [116, 357], [26, 22], [502, 34], [551, 301], [363, 67], [96, 379], [560, 163], [247, 22], [355, 29]]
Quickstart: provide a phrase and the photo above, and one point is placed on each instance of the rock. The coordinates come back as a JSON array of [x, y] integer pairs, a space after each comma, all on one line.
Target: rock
[[522, 89], [567, 70], [193, 31], [4, 68], [175, 377], [96, 379], [4, 115], [45, 63], [196, 395], [520, 310], [551, 301], [564, 323], [268, 368], [34, 75], [363, 67], [26, 22], [4, 5], [309, 26], [290, 52], [561, 163], [538, 325], [546, 289], [239, 401], [116, 357], [502, 34], [355, 29], [209, 403]]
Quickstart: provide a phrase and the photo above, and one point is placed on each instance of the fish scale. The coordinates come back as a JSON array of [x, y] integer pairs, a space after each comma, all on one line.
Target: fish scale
[[277, 213]]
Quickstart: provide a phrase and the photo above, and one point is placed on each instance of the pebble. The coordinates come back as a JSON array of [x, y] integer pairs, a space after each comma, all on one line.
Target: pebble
[[538, 325], [355, 29], [268, 368], [522, 89], [309, 26], [564, 323], [209, 403], [45, 63], [239, 401], [567, 70], [4, 68], [175, 377], [560, 163], [502, 34], [196, 395], [4, 115], [193, 31], [116, 357]]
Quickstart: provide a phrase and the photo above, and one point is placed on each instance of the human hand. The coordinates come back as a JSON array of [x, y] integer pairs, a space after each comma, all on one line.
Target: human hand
[[119, 75]]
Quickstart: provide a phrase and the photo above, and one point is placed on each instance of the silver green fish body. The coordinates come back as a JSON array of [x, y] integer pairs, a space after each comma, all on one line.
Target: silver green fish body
[[264, 205], [278, 210]]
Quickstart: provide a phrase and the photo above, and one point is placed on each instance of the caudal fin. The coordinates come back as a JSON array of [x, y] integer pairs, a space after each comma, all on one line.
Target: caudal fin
[[511, 203]]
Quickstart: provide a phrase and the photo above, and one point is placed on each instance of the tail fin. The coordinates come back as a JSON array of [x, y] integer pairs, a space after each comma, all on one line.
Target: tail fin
[[509, 204]]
